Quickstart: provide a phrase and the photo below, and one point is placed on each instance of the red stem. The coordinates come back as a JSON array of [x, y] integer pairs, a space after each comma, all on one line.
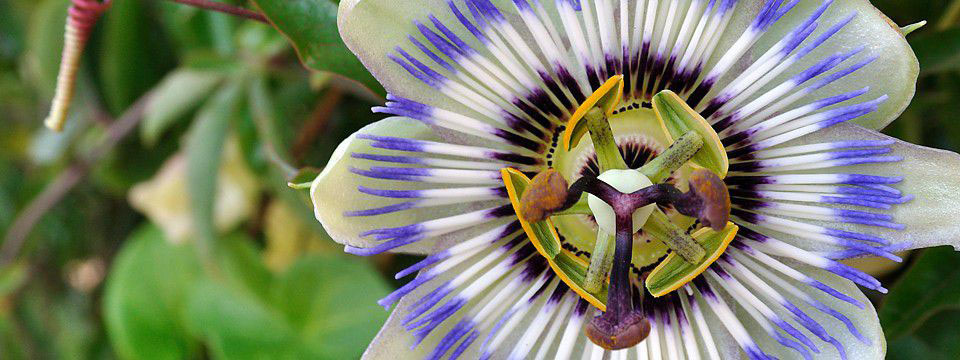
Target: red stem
[[225, 8]]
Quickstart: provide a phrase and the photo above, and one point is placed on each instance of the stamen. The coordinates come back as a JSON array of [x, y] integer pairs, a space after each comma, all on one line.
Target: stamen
[[601, 261], [660, 227], [681, 151], [677, 118], [593, 116], [608, 154]]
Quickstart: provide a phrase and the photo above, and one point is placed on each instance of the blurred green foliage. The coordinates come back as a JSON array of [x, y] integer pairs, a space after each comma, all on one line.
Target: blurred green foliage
[[97, 279], [920, 314]]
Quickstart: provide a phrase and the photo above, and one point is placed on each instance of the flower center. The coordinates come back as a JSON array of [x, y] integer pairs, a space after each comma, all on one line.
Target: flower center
[[640, 139], [623, 200]]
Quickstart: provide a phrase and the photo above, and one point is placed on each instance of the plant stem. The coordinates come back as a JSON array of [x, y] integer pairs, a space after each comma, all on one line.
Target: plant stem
[[16, 237], [225, 8]]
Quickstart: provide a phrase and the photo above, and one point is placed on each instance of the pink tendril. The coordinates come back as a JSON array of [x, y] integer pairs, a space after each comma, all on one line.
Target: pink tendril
[[81, 17]]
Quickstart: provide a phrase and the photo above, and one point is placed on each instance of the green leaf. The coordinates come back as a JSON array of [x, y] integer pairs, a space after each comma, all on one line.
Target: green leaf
[[221, 32], [317, 312], [143, 298], [179, 93], [332, 302], [264, 113], [937, 52], [243, 267], [935, 340], [12, 19], [311, 26], [184, 26], [931, 284], [204, 147], [158, 303], [235, 325], [11, 278]]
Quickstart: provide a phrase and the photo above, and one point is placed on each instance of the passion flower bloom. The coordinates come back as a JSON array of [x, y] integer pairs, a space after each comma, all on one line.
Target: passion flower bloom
[[781, 99]]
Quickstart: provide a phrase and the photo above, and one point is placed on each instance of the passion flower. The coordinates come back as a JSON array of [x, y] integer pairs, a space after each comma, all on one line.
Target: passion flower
[[645, 125]]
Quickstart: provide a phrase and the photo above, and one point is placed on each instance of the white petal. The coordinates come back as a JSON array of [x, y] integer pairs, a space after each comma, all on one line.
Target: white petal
[[335, 192], [932, 176], [893, 73]]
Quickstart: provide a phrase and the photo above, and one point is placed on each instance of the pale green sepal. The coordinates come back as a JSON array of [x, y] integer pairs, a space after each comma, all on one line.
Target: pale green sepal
[[893, 73], [334, 191], [393, 342], [371, 29], [931, 176]]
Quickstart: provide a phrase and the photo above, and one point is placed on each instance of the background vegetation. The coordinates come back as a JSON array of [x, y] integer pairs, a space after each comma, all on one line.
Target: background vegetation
[[101, 258]]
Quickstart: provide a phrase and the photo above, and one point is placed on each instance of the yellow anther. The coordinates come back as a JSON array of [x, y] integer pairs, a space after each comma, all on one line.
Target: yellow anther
[[543, 234], [674, 272], [605, 99], [678, 118]]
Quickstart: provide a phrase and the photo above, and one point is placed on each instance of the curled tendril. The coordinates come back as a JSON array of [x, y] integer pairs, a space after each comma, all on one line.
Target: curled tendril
[[81, 18]]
